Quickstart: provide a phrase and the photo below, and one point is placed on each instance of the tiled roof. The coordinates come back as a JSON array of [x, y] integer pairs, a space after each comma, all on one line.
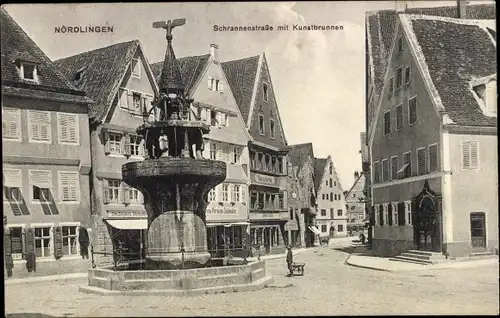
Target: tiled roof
[[18, 46], [319, 170], [241, 75], [380, 28], [299, 154], [457, 52], [192, 68], [103, 72]]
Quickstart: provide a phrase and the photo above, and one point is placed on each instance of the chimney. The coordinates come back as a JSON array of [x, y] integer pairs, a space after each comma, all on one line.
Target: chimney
[[400, 6], [462, 9], [213, 52]]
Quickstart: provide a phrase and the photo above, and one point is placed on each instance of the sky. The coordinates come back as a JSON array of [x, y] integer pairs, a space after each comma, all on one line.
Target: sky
[[318, 76]]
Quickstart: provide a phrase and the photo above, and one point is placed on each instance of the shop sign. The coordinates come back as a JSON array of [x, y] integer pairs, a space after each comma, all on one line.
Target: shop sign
[[260, 178], [224, 210]]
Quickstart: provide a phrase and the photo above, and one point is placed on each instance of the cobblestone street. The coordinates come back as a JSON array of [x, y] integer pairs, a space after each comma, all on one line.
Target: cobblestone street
[[329, 287]]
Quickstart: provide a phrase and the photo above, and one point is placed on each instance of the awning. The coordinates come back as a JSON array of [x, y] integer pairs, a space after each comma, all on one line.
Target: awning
[[315, 230], [128, 224], [227, 224]]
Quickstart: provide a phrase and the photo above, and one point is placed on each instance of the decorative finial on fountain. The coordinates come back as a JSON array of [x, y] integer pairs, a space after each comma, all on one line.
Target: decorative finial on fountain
[[169, 26]]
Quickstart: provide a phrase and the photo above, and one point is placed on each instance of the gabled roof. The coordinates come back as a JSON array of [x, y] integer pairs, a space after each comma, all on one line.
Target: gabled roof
[[454, 53], [319, 171], [192, 68], [299, 154], [103, 71], [17, 47], [241, 75], [380, 28]]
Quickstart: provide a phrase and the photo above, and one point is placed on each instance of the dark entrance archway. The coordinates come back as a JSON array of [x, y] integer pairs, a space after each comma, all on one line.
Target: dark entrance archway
[[427, 225]]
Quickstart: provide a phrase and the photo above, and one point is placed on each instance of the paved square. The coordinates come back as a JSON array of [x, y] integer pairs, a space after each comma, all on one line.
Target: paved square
[[329, 287]]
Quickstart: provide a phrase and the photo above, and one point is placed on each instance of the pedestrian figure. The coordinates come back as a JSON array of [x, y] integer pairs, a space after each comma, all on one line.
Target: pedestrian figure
[[289, 260], [362, 238], [83, 239], [31, 261]]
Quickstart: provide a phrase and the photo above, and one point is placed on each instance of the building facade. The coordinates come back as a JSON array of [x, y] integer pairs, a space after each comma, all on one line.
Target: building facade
[[46, 158], [433, 144], [227, 211], [250, 82], [331, 218], [302, 198], [356, 205], [120, 81], [379, 32]]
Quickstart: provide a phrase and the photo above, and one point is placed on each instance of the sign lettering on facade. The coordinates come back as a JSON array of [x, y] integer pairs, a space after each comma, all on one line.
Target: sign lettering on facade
[[224, 210], [265, 179]]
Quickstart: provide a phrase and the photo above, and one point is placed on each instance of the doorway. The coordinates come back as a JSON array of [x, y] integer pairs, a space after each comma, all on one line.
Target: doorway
[[478, 230]]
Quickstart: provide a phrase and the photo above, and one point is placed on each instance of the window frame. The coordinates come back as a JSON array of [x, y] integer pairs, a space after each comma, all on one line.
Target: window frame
[[389, 125], [114, 142], [407, 80], [385, 178], [262, 128], [401, 83], [49, 128], [375, 179], [136, 61], [393, 173], [272, 128], [22, 73], [50, 182], [51, 239], [71, 224], [23, 227], [265, 92], [409, 165], [111, 188]]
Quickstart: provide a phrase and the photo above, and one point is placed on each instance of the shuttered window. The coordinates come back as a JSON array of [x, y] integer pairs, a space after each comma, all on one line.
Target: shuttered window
[[399, 117], [69, 240], [69, 186], [43, 241], [470, 155], [390, 214], [385, 170], [11, 123], [12, 178], [123, 98], [406, 165], [41, 179], [68, 127], [421, 161], [394, 168], [433, 158], [39, 126], [377, 172], [412, 110], [387, 122], [381, 214]]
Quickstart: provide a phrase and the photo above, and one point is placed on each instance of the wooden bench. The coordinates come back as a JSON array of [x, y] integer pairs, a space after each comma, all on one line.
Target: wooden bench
[[298, 268]]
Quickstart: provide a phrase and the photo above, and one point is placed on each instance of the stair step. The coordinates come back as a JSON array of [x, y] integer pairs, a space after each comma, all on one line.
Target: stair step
[[481, 254], [410, 260], [419, 256], [424, 252]]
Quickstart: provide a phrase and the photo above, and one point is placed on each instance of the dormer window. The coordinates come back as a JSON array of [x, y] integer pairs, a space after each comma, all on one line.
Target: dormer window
[[28, 71], [486, 95]]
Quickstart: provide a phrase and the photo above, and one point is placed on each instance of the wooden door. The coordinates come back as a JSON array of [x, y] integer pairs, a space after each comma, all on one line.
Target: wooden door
[[478, 230]]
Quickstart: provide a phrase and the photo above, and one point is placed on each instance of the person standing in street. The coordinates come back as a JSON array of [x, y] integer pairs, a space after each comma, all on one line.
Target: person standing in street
[[84, 241], [289, 260]]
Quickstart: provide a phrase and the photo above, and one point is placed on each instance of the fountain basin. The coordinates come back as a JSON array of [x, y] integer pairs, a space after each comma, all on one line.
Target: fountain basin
[[106, 281]]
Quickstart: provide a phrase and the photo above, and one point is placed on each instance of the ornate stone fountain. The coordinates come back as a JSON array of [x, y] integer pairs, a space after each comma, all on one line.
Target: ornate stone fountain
[[175, 180]]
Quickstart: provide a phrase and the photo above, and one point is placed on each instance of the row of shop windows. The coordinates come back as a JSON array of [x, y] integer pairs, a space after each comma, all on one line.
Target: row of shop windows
[[267, 236], [266, 201], [393, 214], [46, 241], [221, 238]]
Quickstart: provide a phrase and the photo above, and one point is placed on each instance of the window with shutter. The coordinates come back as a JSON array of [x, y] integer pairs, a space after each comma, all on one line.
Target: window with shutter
[[421, 161], [123, 98], [39, 126], [40, 180], [58, 242], [29, 242], [433, 158], [406, 165], [470, 155], [376, 170], [11, 124], [412, 110], [389, 214], [387, 122], [385, 170], [114, 191], [399, 117], [43, 241], [69, 240], [394, 168], [69, 185], [381, 214], [399, 78], [407, 75], [68, 128]]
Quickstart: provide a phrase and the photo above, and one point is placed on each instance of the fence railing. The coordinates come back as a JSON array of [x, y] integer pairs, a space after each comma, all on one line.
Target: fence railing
[[123, 256]]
